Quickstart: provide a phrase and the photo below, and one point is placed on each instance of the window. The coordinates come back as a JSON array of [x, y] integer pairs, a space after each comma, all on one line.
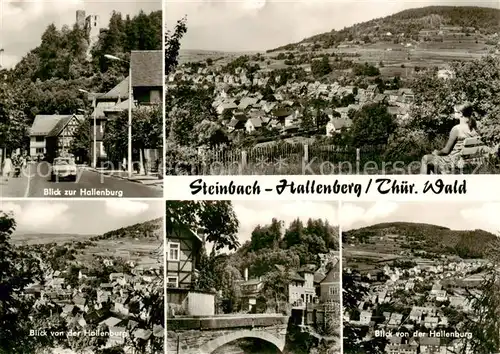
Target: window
[[39, 139], [39, 150], [332, 290], [172, 282], [173, 251]]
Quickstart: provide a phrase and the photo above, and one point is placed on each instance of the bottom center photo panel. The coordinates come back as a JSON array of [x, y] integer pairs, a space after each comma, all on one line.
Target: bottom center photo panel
[[253, 277]]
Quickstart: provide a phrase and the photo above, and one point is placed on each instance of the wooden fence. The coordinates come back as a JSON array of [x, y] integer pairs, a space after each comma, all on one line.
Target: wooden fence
[[290, 159]]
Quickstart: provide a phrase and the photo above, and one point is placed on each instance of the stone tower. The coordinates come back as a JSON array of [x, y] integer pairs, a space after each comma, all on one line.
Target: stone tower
[[80, 18], [93, 28]]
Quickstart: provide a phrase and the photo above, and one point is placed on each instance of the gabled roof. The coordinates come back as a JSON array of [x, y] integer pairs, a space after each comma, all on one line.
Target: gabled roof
[[119, 91], [318, 277], [147, 68], [44, 123], [256, 122], [62, 123], [333, 275], [111, 321]]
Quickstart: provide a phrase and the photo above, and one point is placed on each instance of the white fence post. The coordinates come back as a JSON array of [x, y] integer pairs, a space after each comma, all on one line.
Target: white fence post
[[358, 160], [243, 161]]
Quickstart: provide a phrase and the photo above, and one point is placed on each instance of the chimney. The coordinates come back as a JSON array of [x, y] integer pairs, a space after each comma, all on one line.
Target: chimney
[[246, 274]]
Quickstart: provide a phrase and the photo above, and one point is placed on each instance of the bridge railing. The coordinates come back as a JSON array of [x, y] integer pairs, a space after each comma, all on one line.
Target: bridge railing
[[226, 321]]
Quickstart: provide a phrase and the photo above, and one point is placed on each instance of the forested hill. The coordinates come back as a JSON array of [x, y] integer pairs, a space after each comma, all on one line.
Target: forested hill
[[430, 238], [149, 229], [294, 246], [47, 80], [410, 22]]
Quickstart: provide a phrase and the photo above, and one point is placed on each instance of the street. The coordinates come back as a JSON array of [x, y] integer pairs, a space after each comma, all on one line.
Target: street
[[35, 183]]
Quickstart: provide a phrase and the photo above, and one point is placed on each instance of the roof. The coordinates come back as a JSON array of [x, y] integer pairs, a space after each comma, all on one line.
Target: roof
[[111, 321], [256, 122], [318, 277], [142, 333], [251, 282], [147, 68], [333, 275], [429, 341], [61, 124], [43, 124], [121, 106], [158, 331], [119, 91], [340, 123]]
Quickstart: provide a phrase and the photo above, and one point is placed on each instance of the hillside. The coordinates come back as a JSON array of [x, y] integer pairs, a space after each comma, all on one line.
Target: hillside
[[37, 238], [422, 237], [148, 229], [410, 22]]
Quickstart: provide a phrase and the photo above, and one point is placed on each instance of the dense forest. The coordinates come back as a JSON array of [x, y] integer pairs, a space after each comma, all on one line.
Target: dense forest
[[48, 78], [410, 22], [430, 238]]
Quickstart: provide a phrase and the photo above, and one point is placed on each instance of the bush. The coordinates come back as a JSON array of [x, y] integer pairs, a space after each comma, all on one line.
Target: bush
[[410, 145]]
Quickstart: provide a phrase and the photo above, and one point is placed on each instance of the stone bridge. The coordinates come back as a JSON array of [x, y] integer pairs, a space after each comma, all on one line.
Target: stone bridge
[[203, 335]]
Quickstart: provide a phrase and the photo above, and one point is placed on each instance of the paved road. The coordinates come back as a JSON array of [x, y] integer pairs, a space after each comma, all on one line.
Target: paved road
[[89, 184]]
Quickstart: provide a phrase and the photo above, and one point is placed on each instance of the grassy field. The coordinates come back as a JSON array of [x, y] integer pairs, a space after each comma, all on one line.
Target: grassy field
[[140, 250]]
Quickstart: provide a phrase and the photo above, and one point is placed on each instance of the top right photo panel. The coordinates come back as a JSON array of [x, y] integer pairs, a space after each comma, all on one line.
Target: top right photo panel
[[262, 87]]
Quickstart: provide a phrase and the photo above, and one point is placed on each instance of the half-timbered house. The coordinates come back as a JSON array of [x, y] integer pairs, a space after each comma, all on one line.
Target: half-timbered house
[[183, 249], [58, 140]]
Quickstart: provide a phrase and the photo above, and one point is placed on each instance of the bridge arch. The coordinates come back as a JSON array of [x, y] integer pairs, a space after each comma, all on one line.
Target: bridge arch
[[212, 345]]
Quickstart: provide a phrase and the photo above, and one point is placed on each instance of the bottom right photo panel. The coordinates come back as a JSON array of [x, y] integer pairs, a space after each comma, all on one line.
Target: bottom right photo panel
[[421, 277]]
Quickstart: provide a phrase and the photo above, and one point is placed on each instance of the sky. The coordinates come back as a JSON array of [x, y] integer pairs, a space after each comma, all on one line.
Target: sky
[[257, 25], [22, 22], [253, 213], [454, 215], [83, 217]]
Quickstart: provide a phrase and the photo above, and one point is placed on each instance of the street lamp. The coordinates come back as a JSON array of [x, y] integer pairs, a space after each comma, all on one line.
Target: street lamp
[[94, 114], [130, 98]]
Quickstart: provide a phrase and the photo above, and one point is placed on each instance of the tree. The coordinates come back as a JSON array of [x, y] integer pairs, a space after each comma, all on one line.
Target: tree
[[476, 81], [230, 287], [307, 121], [13, 125], [19, 312], [267, 236], [321, 67], [275, 290], [173, 45], [353, 336], [216, 218], [372, 125], [81, 141], [484, 322], [147, 128]]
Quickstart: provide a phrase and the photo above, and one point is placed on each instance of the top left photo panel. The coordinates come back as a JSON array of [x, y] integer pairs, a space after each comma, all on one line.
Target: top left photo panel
[[81, 99]]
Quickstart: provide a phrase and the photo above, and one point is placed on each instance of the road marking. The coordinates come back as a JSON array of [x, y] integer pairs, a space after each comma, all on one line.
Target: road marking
[[27, 192]]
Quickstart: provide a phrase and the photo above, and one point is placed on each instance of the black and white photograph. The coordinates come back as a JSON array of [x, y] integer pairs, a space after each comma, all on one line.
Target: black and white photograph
[[421, 277], [83, 277], [81, 99], [332, 87], [252, 277]]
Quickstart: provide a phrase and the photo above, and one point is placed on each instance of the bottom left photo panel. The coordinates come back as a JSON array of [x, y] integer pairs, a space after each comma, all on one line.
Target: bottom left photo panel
[[83, 276]]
